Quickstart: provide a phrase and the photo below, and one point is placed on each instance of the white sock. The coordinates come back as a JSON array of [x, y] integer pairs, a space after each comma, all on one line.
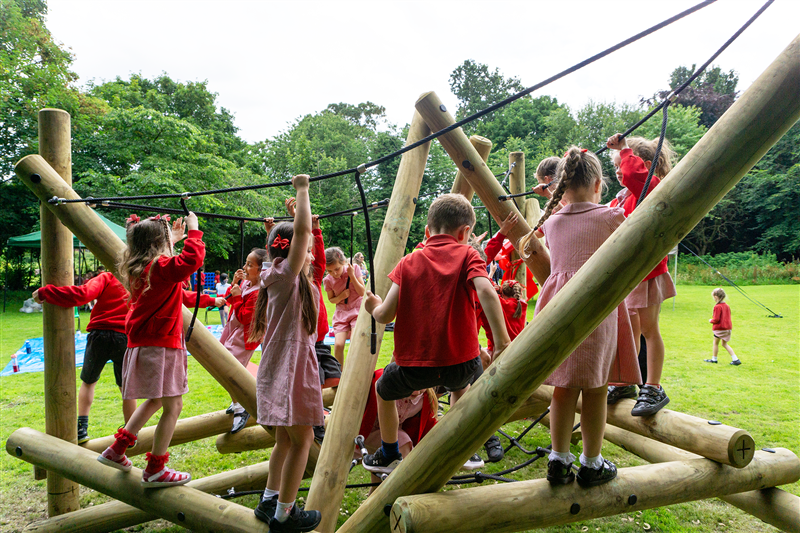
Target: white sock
[[283, 510], [595, 463], [734, 358], [237, 408], [565, 457], [713, 357], [269, 493]]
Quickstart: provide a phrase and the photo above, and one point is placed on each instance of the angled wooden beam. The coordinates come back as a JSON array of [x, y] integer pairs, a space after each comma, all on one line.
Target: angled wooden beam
[[181, 505], [516, 184], [518, 506], [330, 477], [460, 184], [116, 515], [60, 397], [716, 163]]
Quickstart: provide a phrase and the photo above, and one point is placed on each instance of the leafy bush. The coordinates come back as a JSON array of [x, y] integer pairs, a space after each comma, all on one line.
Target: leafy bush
[[743, 268]]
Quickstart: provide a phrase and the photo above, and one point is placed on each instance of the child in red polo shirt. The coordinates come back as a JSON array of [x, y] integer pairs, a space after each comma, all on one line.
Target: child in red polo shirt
[[155, 367], [721, 325], [432, 303]]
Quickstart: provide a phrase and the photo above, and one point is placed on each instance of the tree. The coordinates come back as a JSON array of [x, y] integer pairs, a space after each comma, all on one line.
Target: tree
[[476, 88], [713, 92]]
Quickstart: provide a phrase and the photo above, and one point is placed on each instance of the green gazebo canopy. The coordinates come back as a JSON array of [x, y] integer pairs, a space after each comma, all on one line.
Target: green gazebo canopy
[[34, 240]]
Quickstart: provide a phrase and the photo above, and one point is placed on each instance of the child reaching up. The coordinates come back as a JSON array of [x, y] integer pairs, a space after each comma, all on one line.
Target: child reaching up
[[573, 235], [155, 367], [721, 325], [287, 386], [632, 160], [236, 333], [436, 335], [344, 285]]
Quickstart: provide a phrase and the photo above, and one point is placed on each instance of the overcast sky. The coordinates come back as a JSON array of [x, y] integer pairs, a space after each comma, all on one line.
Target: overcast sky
[[272, 62]]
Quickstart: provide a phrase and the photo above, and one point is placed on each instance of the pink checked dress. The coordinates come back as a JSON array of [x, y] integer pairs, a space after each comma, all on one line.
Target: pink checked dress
[[608, 354], [233, 334], [287, 385], [344, 318]]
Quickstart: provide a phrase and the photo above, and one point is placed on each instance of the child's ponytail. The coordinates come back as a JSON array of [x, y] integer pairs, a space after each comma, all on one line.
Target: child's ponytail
[[512, 289]]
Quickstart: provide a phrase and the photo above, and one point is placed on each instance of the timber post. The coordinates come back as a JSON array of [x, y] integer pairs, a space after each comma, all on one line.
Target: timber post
[[60, 396], [460, 184], [516, 184]]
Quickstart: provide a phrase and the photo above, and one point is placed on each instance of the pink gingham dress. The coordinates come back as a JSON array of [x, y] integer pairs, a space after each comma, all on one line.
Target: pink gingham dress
[[344, 318], [232, 336]]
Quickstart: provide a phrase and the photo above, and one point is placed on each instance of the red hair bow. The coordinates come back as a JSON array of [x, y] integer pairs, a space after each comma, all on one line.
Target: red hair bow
[[280, 243], [159, 217], [582, 151], [133, 219]]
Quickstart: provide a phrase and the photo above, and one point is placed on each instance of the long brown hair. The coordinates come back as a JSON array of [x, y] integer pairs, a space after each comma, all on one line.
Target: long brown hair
[[147, 240], [512, 289], [310, 309]]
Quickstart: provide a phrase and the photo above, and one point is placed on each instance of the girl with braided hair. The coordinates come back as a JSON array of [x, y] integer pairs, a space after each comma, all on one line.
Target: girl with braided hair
[[573, 234]]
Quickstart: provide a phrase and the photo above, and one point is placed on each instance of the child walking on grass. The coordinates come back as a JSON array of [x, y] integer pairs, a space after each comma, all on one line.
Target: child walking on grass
[[721, 325], [155, 366], [287, 386], [573, 234]]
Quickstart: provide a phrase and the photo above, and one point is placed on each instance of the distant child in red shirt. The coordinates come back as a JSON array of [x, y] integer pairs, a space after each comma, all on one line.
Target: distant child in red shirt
[[106, 339], [632, 159], [344, 286], [515, 308], [436, 336], [155, 366], [721, 326]]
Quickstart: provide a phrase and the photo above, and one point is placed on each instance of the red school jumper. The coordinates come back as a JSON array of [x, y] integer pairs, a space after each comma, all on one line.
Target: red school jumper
[[155, 317], [243, 307], [435, 324], [112, 301], [319, 273], [721, 320], [634, 175]]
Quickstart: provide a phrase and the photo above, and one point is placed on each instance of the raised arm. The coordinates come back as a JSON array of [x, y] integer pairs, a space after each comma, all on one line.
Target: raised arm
[[302, 225]]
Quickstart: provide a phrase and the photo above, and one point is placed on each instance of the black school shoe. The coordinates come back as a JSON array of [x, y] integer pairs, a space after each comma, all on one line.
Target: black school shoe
[[616, 393], [494, 450], [590, 477], [559, 474], [239, 421], [710, 361], [319, 433], [83, 431], [379, 463], [650, 401], [229, 410], [299, 520], [266, 509]]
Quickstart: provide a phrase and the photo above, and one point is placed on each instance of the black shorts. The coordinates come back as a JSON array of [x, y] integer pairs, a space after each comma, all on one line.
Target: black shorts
[[329, 367], [399, 382], [103, 345]]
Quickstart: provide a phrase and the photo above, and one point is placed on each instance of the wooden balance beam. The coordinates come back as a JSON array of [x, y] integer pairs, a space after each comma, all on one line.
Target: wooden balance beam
[[181, 505], [537, 504], [716, 163]]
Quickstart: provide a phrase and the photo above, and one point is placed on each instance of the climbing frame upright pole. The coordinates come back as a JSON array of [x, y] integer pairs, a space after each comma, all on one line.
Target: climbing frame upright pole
[[330, 476], [481, 179], [60, 409], [716, 163], [460, 184], [516, 183]]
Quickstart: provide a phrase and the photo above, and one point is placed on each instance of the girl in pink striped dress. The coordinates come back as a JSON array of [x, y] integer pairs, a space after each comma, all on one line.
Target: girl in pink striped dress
[[573, 234], [344, 286]]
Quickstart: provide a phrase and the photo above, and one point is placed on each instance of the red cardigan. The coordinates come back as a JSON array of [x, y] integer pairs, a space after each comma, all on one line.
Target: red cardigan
[[319, 273], [721, 320], [156, 315], [244, 307], [112, 300], [513, 325], [634, 175]]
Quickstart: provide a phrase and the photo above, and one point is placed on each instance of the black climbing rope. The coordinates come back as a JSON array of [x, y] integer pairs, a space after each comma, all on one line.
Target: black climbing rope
[[373, 339], [198, 286]]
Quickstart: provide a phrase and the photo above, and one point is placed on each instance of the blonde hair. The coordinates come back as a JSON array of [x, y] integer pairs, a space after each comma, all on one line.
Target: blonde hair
[[547, 167], [718, 294], [147, 240], [646, 150], [334, 255], [449, 212]]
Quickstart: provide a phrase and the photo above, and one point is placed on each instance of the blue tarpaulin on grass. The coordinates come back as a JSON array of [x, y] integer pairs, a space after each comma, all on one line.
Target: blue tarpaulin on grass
[[34, 361]]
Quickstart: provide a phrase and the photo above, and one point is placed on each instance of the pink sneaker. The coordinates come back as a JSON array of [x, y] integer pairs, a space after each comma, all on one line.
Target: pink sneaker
[[166, 477], [111, 458]]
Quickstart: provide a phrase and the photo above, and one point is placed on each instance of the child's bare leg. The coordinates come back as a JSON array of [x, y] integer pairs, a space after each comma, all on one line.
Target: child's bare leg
[[637, 332], [142, 414], [457, 394], [729, 349], [294, 466], [387, 419], [128, 408], [278, 458], [648, 317], [338, 346], [166, 425], [486, 359], [715, 349], [85, 398], [593, 420], [562, 417]]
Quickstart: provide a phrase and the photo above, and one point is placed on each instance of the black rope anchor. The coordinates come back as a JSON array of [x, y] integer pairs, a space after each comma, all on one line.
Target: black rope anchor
[[198, 282]]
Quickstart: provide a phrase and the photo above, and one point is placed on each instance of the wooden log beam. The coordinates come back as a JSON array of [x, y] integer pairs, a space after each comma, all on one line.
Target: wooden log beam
[[181, 505], [60, 397], [106, 246], [186, 430], [116, 515], [460, 184], [330, 477], [705, 438], [728, 150], [518, 506], [774, 506], [516, 184], [481, 179]]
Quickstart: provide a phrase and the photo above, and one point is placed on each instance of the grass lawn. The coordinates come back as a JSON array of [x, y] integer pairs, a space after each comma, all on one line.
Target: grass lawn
[[760, 396]]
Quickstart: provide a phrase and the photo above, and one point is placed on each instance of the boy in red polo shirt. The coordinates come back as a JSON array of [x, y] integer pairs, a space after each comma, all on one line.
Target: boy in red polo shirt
[[432, 303]]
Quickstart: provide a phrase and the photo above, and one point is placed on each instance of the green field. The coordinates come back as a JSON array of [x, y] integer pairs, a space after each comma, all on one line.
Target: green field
[[761, 396]]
